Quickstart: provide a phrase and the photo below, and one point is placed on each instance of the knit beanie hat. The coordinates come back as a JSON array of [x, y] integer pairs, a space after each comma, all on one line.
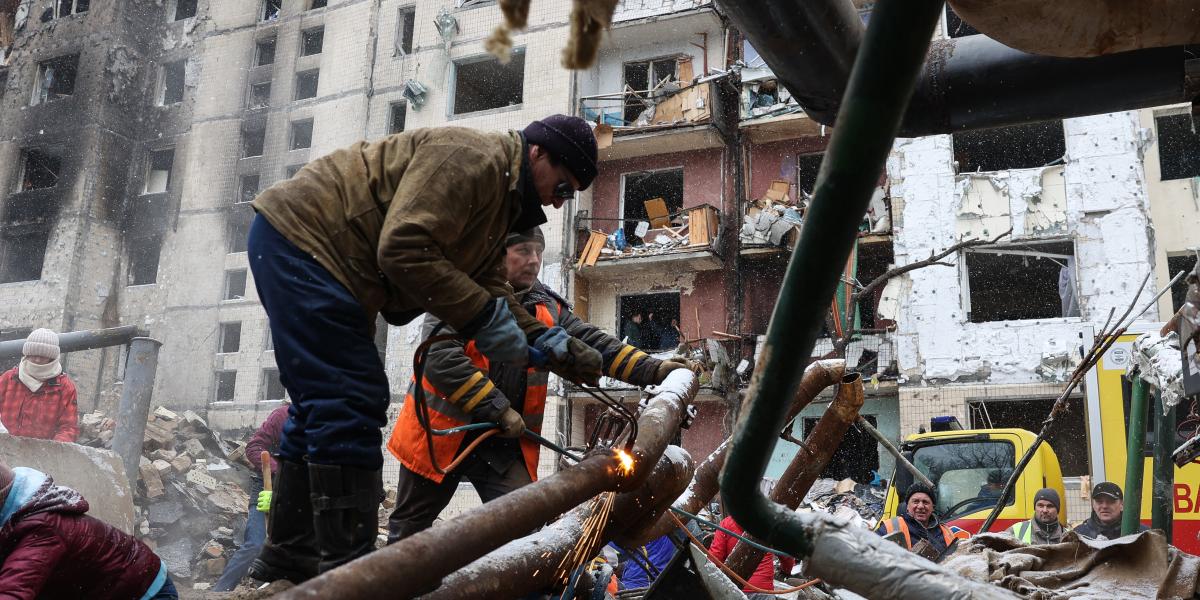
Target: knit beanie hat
[[6, 482], [42, 342], [1049, 495], [570, 141], [529, 235], [920, 488]]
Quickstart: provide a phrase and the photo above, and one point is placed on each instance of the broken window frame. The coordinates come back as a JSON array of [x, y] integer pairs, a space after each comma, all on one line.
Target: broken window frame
[[979, 417], [302, 88], [1028, 250], [634, 100], [249, 184], [312, 41], [219, 385], [45, 83], [1012, 156], [168, 79], [256, 100], [1176, 262], [630, 222], [186, 5], [28, 242], [402, 108], [234, 279], [229, 337], [253, 139], [52, 163], [406, 24], [270, 379], [73, 7], [264, 50], [518, 57], [1187, 164], [297, 135], [315, 4], [270, 10], [143, 253], [155, 158]]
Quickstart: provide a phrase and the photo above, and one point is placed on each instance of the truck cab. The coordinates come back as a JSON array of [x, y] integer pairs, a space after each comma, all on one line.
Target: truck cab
[[969, 468]]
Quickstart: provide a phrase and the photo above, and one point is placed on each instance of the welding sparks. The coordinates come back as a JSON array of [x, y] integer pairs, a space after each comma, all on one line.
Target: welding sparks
[[626, 462]]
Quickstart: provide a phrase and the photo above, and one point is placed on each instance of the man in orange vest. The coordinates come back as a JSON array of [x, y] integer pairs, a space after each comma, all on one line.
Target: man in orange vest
[[463, 386], [920, 522]]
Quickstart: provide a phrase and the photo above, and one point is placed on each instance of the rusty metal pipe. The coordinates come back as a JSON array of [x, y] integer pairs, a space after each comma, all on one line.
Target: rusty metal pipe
[[705, 485], [809, 462], [529, 564], [418, 563]]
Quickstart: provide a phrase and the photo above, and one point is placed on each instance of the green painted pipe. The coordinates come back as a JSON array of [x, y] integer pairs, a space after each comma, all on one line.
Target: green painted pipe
[[1161, 509], [881, 84], [1134, 463]]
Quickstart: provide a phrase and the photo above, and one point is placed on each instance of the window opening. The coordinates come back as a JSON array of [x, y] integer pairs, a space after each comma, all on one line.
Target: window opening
[[1175, 264], [484, 83], [158, 171], [649, 185], [231, 338], [247, 188], [857, 455], [1027, 281], [226, 385], [272, 386], [314, 4], [311, 41], [1025, 146], [301, 135], [56, 79], [271, 9], [144, 253], [39, 170], [171, 83], [238, 228], [185, 9], [235, 285], [1068, 438], [1178, 147], [264, 52], [404, 31], [260, 95], [642, 78], [399, 112], [650, 321], [252, 142], [22, 254], [306, 84]]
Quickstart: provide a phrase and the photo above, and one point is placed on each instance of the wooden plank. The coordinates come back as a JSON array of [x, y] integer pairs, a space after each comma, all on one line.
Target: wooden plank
[[591, 250], [685, 70], [656, 212], [698, 226], [604, 136]]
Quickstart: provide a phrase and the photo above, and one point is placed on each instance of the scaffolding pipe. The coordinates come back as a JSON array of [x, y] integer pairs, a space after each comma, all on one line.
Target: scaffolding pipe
[[811, 459], [419, 562], [1134, 461], [141, 364], [1161, 509], [76, 341], [882, 81]]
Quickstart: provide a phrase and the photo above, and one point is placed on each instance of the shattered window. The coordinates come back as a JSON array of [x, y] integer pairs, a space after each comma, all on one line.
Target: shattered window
[[956, 27], [650, 321], [252, 142], [22, 252], [306, 84], [301, 135], [226, 384], [185, 9], [272, 386], [1185, 263], [482, 83], [270, 10], [231, 338], [39, 170], [66, 8], [399, 110], [171, 83], [264, 52], [1178, 147], [247, 188], [144, 253], [1021, 281], [1025, 146], [260, 95], [55, 79], [158, 171], [235, 285], [646, 81], [404, 30], [647, 187], [311, 41]]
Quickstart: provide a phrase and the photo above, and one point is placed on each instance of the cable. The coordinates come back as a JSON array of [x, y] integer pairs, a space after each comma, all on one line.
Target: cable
[[731, 532], [746, 585]]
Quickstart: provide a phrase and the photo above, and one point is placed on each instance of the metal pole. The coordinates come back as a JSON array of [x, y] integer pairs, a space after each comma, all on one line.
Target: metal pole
[[75, 341], [1161, 513], [881, 84], [895, 452], [1134, 462], [140, 367]]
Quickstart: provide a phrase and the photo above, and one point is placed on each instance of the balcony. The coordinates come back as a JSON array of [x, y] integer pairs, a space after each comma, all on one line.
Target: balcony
[[685, 241]]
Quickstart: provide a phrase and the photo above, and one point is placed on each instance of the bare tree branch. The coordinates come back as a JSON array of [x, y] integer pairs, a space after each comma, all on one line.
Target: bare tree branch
[[934, 259]]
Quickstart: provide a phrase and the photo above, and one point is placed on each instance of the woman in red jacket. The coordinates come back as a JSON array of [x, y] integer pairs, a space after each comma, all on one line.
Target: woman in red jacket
[[764, 574], [51, 550]]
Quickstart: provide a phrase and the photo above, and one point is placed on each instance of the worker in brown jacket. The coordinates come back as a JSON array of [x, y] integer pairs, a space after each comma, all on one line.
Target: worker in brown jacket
[[410, 224]]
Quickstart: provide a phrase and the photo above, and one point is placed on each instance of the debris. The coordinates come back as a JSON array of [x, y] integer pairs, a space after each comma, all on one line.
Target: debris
[[166, 413]]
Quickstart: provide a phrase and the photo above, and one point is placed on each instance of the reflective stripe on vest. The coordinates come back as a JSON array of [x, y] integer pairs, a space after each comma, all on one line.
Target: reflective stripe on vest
[[408, 441], [898, 523], [1025, 532]]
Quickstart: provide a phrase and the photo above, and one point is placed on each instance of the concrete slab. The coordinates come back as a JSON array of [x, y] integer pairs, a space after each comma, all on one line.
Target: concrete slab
[[95, 473]]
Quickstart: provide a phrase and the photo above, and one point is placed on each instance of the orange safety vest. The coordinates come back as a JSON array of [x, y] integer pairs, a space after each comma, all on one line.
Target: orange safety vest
[[408, 442], [949, 534]]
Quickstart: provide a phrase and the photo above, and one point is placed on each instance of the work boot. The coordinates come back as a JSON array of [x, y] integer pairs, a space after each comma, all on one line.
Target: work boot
[[345, 502], [289, 552]]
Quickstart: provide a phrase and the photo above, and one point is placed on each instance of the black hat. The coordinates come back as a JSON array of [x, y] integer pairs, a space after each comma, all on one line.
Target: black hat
[[920, 488], [1051, 496], [1107, 488], [570, 141], [529, 235]]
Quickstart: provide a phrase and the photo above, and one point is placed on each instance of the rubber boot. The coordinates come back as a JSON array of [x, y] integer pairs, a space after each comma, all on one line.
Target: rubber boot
[[289, 552], [345, 503]]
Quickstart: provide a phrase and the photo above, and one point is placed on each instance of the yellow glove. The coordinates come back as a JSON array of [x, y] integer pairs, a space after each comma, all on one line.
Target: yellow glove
[[264, 501]]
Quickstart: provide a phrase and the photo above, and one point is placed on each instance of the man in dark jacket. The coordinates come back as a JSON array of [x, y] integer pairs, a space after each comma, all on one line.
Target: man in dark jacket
[[413, 223], [1044, 527], [51, 550], [462, 386], [1108, 506], [920, 522]]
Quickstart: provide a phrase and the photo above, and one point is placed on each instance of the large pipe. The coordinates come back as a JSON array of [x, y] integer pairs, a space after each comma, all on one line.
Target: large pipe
[[1162, 515], [141, 364], [807, 465], [971, 82], [1134, 461], [419, 562], [75, 341], [885, 72], [528, 564]]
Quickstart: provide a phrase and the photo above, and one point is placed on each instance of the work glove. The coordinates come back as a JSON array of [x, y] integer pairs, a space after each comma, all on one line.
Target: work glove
[[570, 357], [264, 501], [498, 336], [511, 424], [668, 365]]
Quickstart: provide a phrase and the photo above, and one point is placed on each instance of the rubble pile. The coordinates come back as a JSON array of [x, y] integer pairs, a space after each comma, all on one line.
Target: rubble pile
[[773, 219], [190, 499], [857, 503]]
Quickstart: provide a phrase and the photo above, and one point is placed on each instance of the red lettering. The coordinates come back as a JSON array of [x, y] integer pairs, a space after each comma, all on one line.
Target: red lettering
[[1183, 500]]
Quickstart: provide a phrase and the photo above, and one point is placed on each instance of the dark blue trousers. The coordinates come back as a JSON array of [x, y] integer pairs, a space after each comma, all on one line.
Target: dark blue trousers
[[252, 542], [326, 356]]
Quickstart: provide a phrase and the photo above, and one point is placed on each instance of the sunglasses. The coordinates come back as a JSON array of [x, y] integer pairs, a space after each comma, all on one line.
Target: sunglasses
[[563, 189]]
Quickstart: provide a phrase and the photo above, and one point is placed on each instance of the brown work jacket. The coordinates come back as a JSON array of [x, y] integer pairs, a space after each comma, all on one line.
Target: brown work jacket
[[415, 222]]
